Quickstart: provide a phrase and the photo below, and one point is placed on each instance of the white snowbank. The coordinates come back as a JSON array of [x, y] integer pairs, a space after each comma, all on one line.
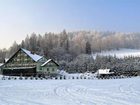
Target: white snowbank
[[77, 75], [119, 53], [70, 92]]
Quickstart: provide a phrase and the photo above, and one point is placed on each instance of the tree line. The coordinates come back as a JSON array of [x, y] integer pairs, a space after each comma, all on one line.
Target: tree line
[[69, 47], [85, 63]]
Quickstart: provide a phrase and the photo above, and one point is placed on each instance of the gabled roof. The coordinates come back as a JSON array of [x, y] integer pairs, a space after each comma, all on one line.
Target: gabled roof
[[35, 57], [48, 62]]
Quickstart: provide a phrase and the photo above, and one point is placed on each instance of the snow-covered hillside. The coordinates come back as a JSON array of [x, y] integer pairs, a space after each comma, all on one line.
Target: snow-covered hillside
[[119, 53], [70, 92]]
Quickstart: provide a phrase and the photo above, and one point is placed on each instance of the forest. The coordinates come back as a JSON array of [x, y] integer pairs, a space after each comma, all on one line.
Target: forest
[[72, 50]]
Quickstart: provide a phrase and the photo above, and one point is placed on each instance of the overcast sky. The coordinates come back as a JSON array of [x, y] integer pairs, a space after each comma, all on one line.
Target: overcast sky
[[21, 17]]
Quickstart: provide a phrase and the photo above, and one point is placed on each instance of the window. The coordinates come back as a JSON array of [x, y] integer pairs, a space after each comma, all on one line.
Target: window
[[47, 69], [53, 69], [18, 60], [25, 59]]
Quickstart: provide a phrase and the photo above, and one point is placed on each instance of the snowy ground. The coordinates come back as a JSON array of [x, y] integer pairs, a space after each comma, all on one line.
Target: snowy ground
[[70, 92], [119, 53]]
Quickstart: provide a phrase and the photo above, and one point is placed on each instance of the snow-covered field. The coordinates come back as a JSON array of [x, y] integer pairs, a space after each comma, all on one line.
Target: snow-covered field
[[119, 53], [70, 92]]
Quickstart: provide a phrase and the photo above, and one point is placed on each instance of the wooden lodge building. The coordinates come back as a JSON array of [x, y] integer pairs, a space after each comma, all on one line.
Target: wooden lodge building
[[26, 63]]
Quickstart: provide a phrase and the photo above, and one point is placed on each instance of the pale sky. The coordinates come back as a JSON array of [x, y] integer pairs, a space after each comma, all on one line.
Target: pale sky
[[21, 17]]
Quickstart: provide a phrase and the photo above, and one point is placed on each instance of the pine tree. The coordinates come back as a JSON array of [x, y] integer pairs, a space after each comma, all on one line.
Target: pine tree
[[88, 48], [67, 45]]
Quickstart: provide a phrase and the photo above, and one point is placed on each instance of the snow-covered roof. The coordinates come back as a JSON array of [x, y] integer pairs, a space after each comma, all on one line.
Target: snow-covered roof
[[6, 59], [35, 57], [1, 64], [46, 62], [104, 71]]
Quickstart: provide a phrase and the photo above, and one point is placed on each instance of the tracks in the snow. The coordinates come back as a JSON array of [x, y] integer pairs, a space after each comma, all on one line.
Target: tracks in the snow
[[69, 93]]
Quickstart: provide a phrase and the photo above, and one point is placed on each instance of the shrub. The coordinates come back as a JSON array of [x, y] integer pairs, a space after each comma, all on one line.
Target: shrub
[[26, 78], [73, 77], [41, 78], [3, 78], [20, 78], [31, 78], [9, 78], [36, 78], [61, 77]]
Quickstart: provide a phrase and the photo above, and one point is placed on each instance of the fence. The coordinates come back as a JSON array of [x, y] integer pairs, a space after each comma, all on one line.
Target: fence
[[62, 78]]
